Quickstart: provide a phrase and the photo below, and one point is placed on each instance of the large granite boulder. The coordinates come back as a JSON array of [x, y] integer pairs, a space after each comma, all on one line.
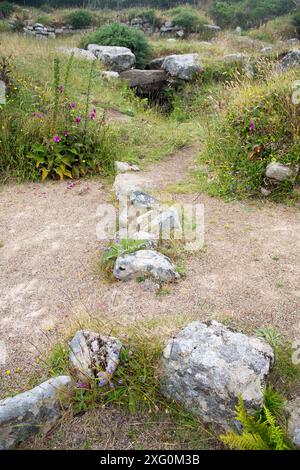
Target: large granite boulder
[[114, 58], [145, 263], [208, 366], [146, 81], [290, 60], [33, 411], [93, 355], [182, 66]]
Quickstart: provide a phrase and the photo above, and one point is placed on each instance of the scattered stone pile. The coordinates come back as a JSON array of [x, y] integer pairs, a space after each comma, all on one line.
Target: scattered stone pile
[[40, 31]]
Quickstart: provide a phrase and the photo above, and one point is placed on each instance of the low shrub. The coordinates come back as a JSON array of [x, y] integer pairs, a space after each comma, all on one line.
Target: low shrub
[[6, 10], [296, 22], [116, 34], [259, 125], [189, 20], [80, 19]]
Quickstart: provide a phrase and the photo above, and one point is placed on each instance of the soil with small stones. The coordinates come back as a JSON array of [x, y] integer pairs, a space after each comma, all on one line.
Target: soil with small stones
[[249, 270]]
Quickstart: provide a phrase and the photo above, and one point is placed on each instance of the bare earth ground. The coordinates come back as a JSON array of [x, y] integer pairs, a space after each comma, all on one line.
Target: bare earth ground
[[249, 271]]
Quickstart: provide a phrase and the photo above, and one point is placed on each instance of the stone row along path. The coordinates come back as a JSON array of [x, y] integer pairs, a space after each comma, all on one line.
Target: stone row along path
[[249, 270]]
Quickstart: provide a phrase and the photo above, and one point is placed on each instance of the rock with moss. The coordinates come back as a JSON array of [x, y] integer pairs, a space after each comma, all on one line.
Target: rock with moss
[[208, 366], [145, 263], [33, 411]]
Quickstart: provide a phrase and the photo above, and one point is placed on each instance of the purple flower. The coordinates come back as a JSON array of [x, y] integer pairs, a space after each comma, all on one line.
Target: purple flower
[[65, 133], [72, 105], [60, 89], [102, 382], [220, 104], [196, 88], [93, 114], [252, 126], [120, 381], [81, 385], [78, 119], [56, 138], [112, 385]]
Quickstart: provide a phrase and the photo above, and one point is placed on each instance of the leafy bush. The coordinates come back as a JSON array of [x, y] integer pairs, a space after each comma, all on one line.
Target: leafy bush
[[259, 125], [6, 9], [260, 432], [49, 136], [296, 21], [188, 19], [282, 27], [80, 19], [116, 34], [248, 13]]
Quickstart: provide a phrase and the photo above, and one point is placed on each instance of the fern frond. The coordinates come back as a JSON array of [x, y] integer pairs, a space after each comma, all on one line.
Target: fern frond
[[276, 434], [245, 441]]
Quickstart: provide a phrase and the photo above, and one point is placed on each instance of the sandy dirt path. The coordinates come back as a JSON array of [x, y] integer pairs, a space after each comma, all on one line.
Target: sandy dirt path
[[249, 270]]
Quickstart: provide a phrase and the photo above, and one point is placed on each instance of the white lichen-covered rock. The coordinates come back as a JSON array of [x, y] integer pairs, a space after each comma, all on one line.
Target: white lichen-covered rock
[[141, 199], [145, 263], [279, 172], [266, 49], [114, 58], [208, 366], [290, 60], [78, 53], [123, 167], [33, 411], [93, 355], [293, 410], [182, 66]]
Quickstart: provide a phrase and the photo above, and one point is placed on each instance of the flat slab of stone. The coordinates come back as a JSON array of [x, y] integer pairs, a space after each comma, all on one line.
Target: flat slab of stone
[[146, 80], [145, 263], [208, 366], [33, 411]]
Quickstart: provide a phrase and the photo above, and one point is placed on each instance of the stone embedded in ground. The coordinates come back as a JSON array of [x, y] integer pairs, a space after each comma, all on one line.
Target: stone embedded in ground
[[279, 172], [109, 74], [160, 221], [33, 411], [140, 198], [145, 263], [238, 57], [80, 53], [183, 66], [208, 366], [114, 58], [93, 354], [266, 49], [146, 81], [293, 410], [123, 167], [290, 60], [155, 64]]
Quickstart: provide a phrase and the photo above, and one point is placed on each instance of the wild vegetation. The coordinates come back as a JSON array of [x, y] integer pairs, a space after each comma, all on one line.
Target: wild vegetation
[[64, 119]]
